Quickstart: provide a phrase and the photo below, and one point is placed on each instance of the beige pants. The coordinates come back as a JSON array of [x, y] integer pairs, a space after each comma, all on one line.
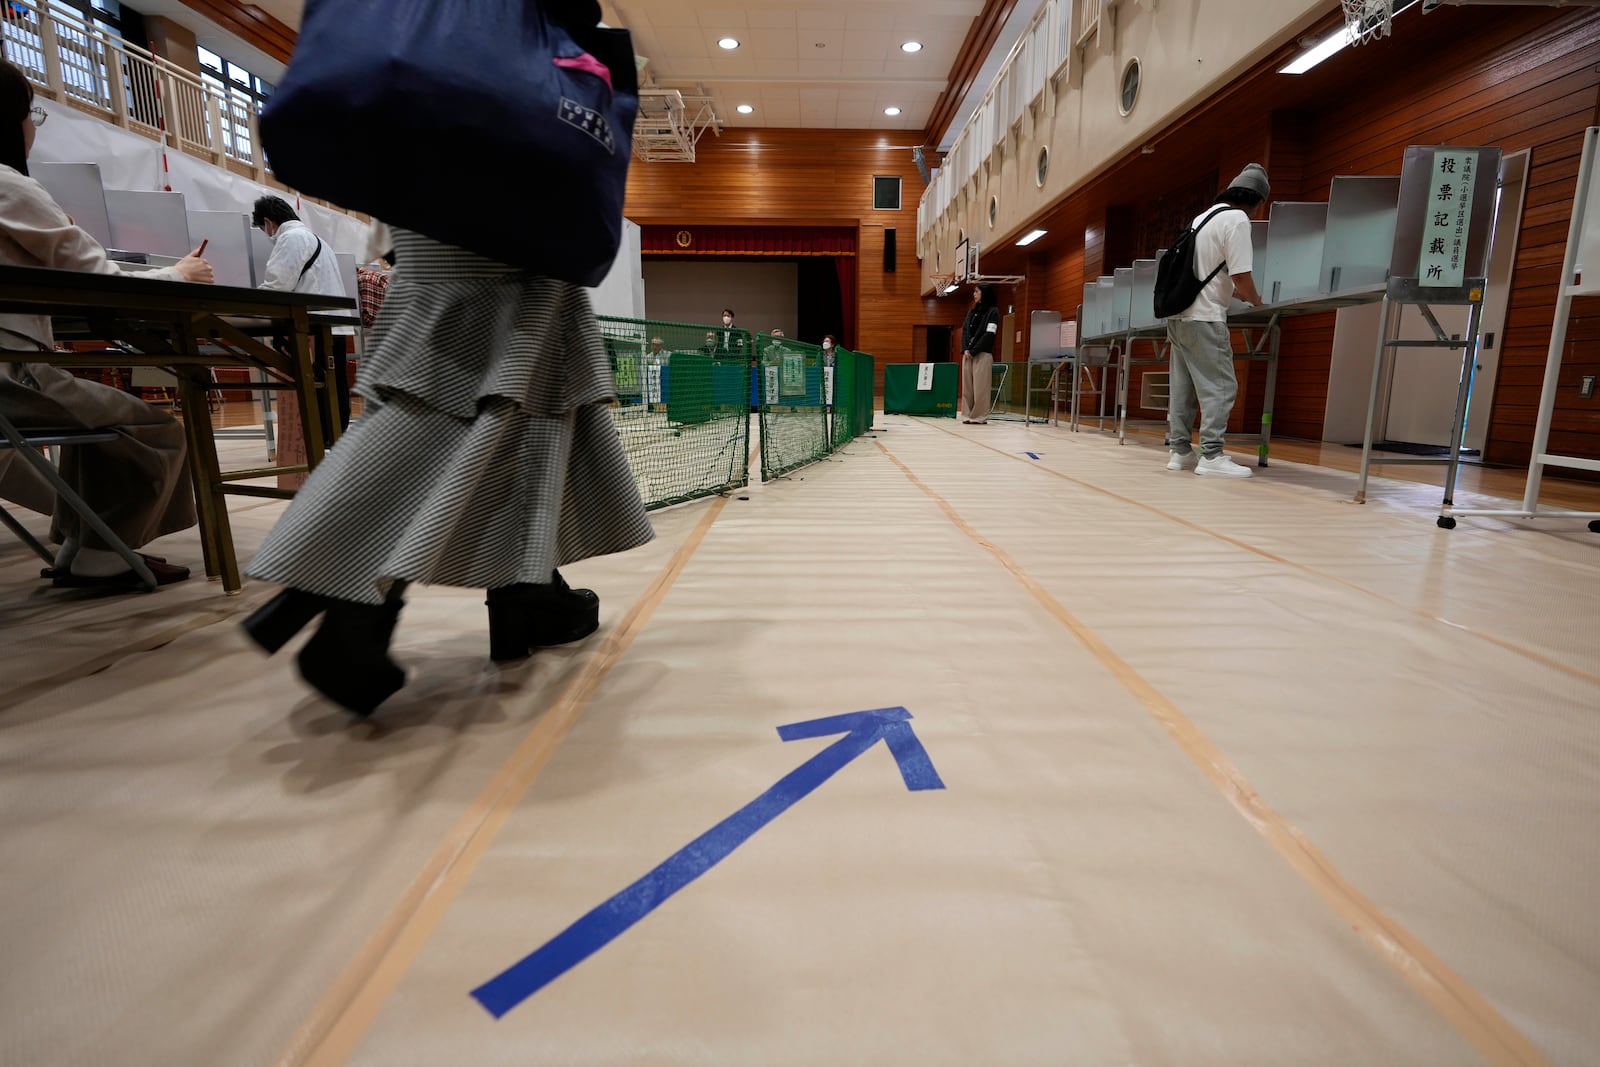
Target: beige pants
[[139, 485], [977, 386]]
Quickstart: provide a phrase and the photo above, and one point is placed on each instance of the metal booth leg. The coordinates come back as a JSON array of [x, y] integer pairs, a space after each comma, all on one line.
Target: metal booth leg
[[1458, 429], [1378, 359]]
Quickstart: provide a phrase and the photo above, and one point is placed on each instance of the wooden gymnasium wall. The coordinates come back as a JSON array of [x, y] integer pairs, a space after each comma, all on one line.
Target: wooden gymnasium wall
[[788, 177], [1532, 83], [1525, 79]]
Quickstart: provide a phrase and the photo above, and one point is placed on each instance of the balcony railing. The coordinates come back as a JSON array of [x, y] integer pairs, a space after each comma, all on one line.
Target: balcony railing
[[98, 72]]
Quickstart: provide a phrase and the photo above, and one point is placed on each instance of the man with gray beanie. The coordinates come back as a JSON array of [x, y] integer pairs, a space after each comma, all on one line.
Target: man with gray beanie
[[1202, 350]]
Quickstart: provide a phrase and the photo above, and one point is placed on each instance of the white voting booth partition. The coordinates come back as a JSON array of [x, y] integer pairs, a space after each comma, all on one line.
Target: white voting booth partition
[[156, 223], [1442, 231], [1290, 268], [1583, 250], [78, 188], [227, 238]]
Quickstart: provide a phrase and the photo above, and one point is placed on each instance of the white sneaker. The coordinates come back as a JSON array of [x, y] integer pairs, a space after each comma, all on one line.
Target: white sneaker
[[1222, 466], [1182, 461]]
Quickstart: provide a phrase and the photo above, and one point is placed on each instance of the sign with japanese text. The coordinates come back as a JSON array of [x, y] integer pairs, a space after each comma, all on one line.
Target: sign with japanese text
[[1447, 220], [792, 373]]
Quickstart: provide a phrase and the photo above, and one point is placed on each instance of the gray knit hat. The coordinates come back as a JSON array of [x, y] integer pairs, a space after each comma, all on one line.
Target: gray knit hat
[[1254, 178]]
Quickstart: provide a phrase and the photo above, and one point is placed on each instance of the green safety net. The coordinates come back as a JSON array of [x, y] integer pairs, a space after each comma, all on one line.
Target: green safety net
[[791, 381], [852, 397], [683, 406]]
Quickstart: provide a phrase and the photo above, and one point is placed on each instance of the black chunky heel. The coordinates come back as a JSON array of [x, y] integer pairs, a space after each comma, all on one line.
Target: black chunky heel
[[347, 659], [525, 616], [275, 622]]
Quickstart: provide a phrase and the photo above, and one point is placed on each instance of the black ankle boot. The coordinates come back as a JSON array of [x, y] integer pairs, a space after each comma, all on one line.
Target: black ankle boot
[[524, 617], [273, 623], [347, 659]]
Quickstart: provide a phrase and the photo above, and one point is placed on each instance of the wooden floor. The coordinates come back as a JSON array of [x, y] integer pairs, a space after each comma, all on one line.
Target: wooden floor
[[1176, 771]]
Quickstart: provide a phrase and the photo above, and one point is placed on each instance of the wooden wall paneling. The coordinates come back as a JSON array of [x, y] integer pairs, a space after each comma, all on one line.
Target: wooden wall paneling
[[1517, 79], [1531, 84], [810, 178]]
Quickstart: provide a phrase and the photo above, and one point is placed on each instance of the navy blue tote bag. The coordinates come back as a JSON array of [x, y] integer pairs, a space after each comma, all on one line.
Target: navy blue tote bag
[[502, 126]]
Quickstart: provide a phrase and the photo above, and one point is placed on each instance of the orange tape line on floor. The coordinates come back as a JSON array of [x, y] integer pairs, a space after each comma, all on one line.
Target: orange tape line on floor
[[1510, 646], [1460, 1004], [340, 1020]]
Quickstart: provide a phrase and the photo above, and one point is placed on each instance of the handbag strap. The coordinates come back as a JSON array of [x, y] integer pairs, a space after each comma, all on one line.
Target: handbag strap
[[310, 261]]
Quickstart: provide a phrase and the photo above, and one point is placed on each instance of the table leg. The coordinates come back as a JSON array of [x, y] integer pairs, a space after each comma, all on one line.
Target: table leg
[[306, 390], [334, 361], [1124, 371], [1271, 338], [215, 530]]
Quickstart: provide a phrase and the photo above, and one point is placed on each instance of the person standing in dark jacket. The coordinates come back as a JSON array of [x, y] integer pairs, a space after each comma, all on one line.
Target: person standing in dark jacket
[[978, 334]]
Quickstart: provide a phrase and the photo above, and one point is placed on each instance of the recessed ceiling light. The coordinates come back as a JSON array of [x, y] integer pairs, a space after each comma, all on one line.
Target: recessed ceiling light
[[744, 109], [911, 46], [1032, 237], [728, 44], [891, 111]]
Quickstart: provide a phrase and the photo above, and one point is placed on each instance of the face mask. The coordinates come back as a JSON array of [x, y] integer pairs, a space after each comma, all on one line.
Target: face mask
[[827, 346], [727, 320]]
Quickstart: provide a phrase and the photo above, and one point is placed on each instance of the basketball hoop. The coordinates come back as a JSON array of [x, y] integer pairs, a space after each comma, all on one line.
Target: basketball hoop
[[1367, 20], [943, 282]]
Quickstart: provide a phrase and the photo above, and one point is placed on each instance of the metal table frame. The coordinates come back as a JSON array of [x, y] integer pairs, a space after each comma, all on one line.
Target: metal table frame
[[184, 329]]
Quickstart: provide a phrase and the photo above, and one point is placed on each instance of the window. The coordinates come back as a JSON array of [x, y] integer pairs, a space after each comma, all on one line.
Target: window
[[886, 193], [104, 13], [241, 93]]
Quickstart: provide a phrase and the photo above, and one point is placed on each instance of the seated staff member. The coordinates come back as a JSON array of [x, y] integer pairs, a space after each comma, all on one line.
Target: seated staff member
[[301, 262], [139, 485]]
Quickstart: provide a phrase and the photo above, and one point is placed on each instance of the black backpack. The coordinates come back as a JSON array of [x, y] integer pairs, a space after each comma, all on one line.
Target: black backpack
[[1176, 283]]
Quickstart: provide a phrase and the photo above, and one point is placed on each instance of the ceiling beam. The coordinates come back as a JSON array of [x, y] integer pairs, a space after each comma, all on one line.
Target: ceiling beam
[[974, 53], [250, 24]]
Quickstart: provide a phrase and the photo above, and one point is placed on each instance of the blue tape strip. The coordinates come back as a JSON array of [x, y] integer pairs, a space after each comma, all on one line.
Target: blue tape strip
[[861, 729]]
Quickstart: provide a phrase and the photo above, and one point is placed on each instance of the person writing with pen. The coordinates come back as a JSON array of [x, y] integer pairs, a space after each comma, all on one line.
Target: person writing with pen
[[139, 484]]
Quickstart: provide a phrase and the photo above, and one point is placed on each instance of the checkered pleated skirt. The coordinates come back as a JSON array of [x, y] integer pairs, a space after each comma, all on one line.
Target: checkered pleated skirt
[[486, 454]]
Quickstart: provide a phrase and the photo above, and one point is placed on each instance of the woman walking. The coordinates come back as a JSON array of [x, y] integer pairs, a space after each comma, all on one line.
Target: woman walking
[[485, 458]]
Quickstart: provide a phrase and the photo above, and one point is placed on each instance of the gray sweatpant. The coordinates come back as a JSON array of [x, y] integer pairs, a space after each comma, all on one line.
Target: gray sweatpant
[[1202, 375]]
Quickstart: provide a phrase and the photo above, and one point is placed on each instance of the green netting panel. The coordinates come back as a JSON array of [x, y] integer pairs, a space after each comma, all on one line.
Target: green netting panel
[[794, 416], [683, 406], [865, 370], [1010, 389], [852, 380]]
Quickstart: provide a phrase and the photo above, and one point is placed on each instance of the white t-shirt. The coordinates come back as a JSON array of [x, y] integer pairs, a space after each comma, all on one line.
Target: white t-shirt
[[1225, 239]]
